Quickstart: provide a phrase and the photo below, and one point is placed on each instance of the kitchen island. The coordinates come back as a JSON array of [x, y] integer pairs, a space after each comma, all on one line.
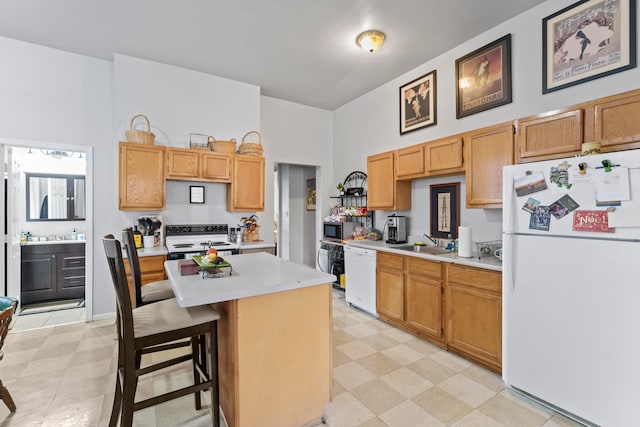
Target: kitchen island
[[274, 338]]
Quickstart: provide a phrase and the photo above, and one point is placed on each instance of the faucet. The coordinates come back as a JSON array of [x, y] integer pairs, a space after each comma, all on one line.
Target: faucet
[[433, 240]]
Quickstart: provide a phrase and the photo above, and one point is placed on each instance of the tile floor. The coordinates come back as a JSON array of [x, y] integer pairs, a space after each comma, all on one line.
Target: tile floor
[[64, 376], [52, 318]]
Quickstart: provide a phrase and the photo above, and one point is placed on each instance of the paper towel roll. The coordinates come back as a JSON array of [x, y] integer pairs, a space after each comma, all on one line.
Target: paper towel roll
[[464, 242]]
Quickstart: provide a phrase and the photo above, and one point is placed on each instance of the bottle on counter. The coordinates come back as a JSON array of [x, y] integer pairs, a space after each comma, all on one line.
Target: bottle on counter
[[74, 235], [137, 237]]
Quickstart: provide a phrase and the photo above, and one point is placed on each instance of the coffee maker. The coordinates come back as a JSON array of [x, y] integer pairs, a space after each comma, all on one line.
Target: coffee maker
[[397, 228]]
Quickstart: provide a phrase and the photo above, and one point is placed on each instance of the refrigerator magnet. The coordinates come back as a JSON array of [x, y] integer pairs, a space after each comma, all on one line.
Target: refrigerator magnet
[[531, 205], [530, 183]]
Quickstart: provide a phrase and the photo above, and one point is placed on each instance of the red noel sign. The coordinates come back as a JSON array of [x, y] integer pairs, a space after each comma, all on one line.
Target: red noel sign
[[591, 221]]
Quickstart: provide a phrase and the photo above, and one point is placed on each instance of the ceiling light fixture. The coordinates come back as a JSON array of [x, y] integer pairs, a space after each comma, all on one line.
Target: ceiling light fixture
[[370, 40]]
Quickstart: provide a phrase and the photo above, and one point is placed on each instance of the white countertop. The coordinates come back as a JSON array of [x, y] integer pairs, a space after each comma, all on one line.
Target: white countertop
[[253, 274], [51, 242], [489, 263], [256, 245]]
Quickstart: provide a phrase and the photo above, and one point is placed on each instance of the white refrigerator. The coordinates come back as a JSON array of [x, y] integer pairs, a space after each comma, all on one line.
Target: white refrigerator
[[571, 285]]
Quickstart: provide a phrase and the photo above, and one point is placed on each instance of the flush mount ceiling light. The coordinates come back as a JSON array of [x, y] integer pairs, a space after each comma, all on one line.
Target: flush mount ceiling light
[[370, 40]]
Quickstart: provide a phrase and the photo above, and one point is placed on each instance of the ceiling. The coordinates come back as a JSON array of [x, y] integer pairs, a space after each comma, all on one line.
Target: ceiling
[[302, 51]]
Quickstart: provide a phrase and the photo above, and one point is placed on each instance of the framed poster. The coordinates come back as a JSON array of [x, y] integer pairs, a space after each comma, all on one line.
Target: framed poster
[[483, 78], [311, 194], [196, 194], [418, 103], [445, 210], [587, 40]]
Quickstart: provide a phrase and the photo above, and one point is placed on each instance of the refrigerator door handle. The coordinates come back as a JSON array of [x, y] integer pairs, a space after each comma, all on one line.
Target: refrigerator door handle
[[510, 258]]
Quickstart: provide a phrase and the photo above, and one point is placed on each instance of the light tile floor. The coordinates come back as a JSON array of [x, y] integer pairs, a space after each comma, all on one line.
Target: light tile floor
[[25, 322], [64, 376]]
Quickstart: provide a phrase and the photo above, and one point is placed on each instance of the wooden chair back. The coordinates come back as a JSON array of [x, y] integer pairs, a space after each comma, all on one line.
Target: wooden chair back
[[134, 265], [5, 320], [113, 251]]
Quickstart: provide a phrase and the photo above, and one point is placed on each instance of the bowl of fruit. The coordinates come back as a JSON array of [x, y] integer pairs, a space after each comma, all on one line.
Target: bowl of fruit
[[211, 263]]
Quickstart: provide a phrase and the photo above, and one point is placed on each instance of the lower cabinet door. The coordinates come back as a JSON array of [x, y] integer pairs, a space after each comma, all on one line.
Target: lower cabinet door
[[424, 305]]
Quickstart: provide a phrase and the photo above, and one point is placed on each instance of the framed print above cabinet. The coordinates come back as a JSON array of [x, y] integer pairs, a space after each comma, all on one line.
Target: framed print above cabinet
[[418, 103], [483, 78], [587, 40]]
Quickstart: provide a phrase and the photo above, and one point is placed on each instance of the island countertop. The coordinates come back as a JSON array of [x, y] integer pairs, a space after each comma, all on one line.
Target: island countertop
[[252, 274]]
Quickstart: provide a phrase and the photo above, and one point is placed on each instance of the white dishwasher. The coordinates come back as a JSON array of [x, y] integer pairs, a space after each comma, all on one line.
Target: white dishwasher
[[360, 275]]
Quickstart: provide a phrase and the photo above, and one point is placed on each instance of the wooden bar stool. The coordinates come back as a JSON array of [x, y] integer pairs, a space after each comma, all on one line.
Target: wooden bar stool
[[150, 292], [151, 328], [7, 307]]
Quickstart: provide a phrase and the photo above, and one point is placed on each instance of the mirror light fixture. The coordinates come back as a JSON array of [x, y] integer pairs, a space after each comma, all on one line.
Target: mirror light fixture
[[370, 40]]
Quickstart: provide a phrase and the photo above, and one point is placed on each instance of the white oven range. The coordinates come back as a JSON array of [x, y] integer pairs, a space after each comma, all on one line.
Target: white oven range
[[183, 241]]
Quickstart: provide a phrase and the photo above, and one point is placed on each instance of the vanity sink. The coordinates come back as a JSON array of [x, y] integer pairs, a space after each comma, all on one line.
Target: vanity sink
[[431, 250]]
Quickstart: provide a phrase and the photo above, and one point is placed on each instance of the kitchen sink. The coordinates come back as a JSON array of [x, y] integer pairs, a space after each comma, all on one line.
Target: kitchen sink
[[431, 250]]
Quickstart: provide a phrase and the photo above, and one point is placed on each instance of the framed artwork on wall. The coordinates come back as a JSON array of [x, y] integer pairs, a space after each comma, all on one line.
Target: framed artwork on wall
[[483, 78], [196, 194], [418, 103], [311, 194], [445, 210], [587, 40]]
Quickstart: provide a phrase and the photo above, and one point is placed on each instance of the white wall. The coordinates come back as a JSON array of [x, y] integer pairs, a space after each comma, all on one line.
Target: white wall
[[57, 97], [370, 124], [297, 134]]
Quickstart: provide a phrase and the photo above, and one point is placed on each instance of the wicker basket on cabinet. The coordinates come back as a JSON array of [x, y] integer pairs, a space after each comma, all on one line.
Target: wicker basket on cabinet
[[251, 148], [140, 136]]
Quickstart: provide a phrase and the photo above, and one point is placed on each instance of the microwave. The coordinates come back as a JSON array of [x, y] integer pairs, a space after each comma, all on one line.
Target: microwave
[[338, 230]]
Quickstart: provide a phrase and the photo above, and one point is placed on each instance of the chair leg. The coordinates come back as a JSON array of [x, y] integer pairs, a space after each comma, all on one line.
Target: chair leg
[[215, 388], [117, 402], [6, 397], [129, 384], [195, 359]]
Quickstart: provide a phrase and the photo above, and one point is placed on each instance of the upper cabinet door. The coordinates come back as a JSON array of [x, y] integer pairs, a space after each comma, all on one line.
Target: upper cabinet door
[[617, 123], [216, 166], [550, 136], [385, 193], [488, 150], [410, 162], [141, 177], [182, 163], [246, 191], [444, 156]]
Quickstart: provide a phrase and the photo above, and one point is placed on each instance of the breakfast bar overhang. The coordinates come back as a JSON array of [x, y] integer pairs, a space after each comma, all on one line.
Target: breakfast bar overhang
[[274, 338]]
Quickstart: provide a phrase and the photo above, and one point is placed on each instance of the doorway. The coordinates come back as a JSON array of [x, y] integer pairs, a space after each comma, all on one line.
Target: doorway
[[297, 213], [47, 203]]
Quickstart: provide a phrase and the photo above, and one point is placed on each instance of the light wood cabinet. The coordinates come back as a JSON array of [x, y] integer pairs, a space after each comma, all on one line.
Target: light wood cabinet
[[474, 314], [151, 270], [424, 296], [390, 286], [410, 161], [616, 123], [198, 165], [384, 191], [444, 156], [141, 177], [440, 157], [487, 151], [246, 191], [549, 136]]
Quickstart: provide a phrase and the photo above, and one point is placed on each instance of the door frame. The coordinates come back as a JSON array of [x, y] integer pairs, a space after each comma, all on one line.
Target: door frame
[[13, 289]]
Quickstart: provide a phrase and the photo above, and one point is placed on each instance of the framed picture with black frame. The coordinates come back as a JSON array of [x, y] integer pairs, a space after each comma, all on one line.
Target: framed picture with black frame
[[483, 78], [587, 40], [445, 210], [418, 103], [196, 194]]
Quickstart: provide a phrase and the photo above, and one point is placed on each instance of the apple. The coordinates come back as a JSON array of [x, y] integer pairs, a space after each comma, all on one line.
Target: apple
[[212, 251]]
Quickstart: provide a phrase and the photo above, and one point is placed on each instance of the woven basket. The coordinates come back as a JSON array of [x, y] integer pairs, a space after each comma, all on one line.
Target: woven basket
[[251, 148], [222, 146], [140, 136], [198, 141], [251, 235]]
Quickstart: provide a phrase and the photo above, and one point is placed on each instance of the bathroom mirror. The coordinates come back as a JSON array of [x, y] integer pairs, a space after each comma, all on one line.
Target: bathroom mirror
[[53, 197]]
